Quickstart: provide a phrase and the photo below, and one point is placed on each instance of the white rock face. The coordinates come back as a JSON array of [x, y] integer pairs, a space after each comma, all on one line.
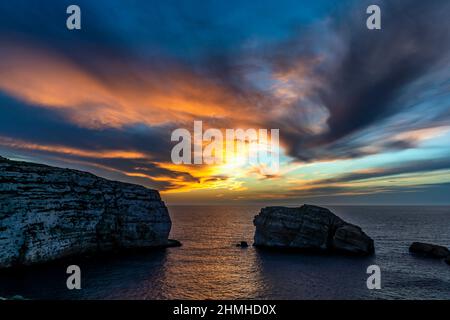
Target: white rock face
[[48, 213]]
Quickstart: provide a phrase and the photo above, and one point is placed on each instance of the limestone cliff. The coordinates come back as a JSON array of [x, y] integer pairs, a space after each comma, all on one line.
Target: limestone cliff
[[309, 228], [48, 213]]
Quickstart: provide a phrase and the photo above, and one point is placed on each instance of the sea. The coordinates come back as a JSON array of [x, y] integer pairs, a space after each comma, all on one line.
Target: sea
[[209, 265]]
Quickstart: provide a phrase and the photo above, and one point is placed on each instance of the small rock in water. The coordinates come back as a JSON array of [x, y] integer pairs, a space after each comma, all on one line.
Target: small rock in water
[[242, 244], [429, 250], [447, 260], [174, 243]]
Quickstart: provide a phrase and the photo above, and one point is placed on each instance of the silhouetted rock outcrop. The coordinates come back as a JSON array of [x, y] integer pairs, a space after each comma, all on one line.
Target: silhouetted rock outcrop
[[48, 213], [242, 244], [429, 250], [309, 228]]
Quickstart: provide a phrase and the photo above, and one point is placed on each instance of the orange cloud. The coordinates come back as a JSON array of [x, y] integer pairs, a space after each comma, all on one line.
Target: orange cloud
[[176, 178], [20, 144], [420, 135], [130, 95]]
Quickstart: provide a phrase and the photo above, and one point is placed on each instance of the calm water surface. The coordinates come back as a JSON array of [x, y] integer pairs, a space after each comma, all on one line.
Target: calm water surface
[[209, 266]]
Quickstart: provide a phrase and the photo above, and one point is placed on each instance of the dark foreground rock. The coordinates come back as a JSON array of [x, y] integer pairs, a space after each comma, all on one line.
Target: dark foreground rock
[[242, 244], [173, 243], [429, 250], [309, 228], [49, 213]]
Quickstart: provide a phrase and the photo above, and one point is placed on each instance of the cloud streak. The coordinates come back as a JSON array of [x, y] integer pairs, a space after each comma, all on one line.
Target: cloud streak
[[362, 74], [109, 97]]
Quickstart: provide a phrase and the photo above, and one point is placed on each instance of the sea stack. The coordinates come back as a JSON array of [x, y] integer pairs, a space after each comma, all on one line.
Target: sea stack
[[429, 250], [309, 228], [48, 213]]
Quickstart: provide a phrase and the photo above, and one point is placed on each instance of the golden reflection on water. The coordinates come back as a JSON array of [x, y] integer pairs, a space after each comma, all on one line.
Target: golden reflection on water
[[210, 266], [226, 271]]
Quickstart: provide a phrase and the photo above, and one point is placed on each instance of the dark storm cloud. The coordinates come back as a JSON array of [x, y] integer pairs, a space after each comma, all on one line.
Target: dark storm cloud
[[378, 65], [41, 126], [362, 75], [364, 72], [23, 125]]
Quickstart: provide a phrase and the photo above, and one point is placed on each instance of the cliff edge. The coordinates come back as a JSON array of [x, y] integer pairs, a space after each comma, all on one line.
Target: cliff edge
[[47, 213]]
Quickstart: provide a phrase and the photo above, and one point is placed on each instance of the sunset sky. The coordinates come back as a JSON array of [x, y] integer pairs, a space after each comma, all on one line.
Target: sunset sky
[[364, 115]]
